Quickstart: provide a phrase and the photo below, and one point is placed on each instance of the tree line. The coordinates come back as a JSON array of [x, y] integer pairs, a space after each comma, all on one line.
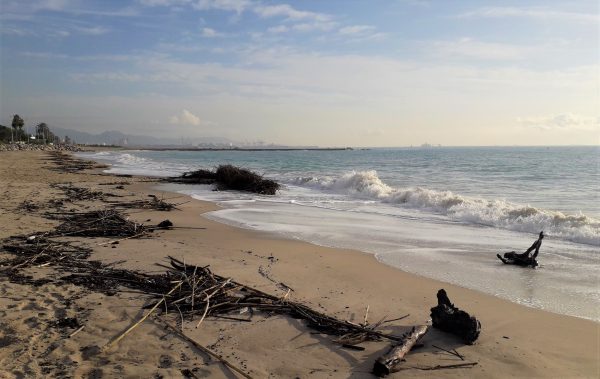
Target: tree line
[[43, 134]]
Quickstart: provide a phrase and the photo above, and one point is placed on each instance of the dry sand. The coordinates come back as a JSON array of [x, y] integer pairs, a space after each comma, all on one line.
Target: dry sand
[[515, 341]]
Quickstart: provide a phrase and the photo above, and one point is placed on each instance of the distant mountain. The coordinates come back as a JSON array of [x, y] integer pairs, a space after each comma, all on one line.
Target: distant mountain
[[114, 137]]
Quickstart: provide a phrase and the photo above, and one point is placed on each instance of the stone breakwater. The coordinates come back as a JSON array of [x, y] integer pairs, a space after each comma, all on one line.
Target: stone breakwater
[[32, 147]]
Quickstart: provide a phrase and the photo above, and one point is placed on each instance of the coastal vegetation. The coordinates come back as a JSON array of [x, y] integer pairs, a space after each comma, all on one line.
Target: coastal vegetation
[[42, 134]]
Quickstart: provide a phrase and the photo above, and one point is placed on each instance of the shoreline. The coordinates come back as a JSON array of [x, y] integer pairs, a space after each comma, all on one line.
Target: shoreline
[[341, 282]]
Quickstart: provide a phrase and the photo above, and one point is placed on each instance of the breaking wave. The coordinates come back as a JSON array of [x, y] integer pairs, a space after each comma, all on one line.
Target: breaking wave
[[497, 213]]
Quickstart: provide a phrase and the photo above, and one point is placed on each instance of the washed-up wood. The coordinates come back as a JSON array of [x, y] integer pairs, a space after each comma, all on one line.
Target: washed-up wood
[[100, 223], [228, 177], [448, 318], [64, 162], [391, 361], [524, 259], [73, 192], [153, 203]]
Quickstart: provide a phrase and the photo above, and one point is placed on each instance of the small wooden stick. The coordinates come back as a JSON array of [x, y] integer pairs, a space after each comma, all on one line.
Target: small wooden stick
[[77, 331], [453, 352], [117, 339], [396, 319], [208, 298], [206, 350], [438, 367], [122, 239], [366, 316]]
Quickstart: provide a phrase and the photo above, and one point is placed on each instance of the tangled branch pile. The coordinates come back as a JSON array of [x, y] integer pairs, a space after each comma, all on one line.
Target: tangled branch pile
[[228, 177], [100, 223], [202, 293], [40, 250], [153, 203]]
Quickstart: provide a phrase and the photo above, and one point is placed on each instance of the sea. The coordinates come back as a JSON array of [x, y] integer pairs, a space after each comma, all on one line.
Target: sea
[[439, 212]]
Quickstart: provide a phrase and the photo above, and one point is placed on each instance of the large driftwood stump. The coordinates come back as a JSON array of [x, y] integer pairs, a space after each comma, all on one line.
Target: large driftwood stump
[[390, 362], [448, 318]]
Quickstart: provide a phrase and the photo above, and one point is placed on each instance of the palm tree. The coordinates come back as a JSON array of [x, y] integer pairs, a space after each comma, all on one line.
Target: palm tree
[[42, 131], [17, 124]]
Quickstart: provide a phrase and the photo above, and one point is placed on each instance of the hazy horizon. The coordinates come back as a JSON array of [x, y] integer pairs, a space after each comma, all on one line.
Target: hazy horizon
[[335, 73]]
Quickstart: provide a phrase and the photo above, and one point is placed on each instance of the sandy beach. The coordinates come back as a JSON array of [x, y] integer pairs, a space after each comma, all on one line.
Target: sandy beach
[[515, 341]]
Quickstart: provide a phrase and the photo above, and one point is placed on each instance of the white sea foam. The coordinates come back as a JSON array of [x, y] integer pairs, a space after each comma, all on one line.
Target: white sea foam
[[498, 213]]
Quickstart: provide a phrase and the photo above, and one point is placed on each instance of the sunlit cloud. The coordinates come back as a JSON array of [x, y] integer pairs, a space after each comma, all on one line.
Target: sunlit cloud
[[289, 12], [185, 118]]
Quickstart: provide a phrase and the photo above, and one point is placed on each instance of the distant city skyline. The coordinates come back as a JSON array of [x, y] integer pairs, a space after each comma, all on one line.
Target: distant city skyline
[[326, 73]]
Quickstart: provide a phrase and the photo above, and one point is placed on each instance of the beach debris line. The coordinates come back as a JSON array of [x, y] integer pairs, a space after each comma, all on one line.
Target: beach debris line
[[66, 163], [448, 318], [390, 362], [228, 177], [79, 193], [153, 203], [524, 259]]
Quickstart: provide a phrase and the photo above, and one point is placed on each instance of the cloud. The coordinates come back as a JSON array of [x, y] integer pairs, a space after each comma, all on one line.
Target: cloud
[[356, 29], [278, 29], [185, 118], [210, 33], [237, 6], [360, 33], [15, 31], [162, 3], [93, 31], [534, 13], [289, 12], [312, 26], [563, 121], [14, 9], [471, 48]]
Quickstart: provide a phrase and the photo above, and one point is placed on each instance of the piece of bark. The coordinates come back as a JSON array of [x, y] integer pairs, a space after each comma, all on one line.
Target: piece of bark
[[390, 362], [448, 318]]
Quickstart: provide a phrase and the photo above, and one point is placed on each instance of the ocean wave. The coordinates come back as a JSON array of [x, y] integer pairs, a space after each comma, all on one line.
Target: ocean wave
[[130, 159], [497, 213]]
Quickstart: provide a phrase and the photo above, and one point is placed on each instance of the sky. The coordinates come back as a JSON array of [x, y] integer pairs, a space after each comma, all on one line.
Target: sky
[[312, 72]]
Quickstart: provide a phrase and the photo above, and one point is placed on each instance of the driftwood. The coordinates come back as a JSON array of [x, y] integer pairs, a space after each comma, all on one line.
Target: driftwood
[[448, 318], [101, 223], [228, 177], [66, 163], [79, 193], [153, 203], [524, 259], [391, 361]]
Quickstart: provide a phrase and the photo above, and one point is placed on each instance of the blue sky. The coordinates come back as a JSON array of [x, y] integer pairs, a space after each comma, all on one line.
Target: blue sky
[[360, 73]]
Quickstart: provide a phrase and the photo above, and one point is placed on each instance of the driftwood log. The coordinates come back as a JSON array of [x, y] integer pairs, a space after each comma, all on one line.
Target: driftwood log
[[524, 259], [391, 361], [448, 318]]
